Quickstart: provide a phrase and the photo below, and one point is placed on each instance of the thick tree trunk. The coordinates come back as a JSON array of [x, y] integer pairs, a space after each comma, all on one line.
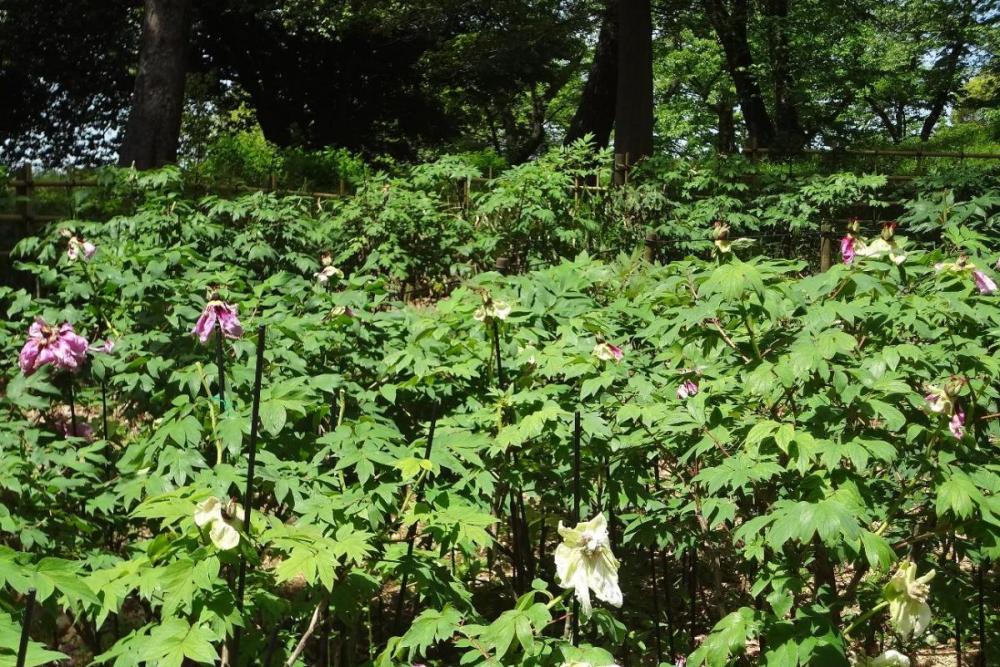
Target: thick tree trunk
[[788, 129], [154, 123], [634, 103], [595, 114], [725, 141], [731, 29]]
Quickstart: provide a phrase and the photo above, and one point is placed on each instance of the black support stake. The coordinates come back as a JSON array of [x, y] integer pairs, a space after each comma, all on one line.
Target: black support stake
[[576, 512], [104, 408], [656, 605], [251, 463], [72, 408], [29, 607], [411, 532], [982, 612]]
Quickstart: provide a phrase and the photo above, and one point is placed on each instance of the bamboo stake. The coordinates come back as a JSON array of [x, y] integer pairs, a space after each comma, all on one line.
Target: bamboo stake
[[248, 493]]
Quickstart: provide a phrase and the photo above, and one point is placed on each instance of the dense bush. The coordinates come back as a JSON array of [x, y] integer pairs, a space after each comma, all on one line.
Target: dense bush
[[770, 447]]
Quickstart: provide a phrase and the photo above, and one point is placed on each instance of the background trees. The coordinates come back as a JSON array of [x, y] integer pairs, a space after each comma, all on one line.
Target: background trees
[[419, 77]]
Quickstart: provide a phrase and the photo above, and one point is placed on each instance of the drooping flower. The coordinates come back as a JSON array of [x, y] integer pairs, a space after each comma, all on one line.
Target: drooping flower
[[889, 229], [60, 346], [907, 595], [492, 309], [78, 248], [341, 311], [221, 313], [888, 659], [880, 248], [327, 272], [687, 388], [721, 234], [984, 283], [585, 563], [224, 521], [608, 352], [938, 399], [847, 249], [957, 424]]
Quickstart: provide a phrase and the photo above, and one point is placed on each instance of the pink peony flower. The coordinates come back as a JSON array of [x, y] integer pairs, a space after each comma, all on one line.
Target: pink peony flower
[[218, 312], [957, 424], [984, 283], [60, 346], [83, 429], [78, 248], [847, 249], [687, 388]]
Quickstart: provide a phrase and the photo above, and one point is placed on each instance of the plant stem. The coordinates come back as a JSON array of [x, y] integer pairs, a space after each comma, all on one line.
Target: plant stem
[[865, 616]]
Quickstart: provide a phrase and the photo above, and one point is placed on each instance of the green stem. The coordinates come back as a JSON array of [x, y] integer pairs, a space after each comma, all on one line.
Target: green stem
[[865, 616], [211, 415], [557, 599], [748, 323]]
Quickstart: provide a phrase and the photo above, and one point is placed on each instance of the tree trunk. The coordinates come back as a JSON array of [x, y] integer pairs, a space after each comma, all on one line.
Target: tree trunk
[[595, 114], [788, 129], [154, 123], [725, 141], [894, 129], [944, 69], [634, 103], [731, 29]]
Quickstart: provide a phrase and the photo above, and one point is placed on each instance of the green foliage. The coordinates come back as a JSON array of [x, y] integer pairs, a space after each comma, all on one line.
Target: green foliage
[[806, 465]]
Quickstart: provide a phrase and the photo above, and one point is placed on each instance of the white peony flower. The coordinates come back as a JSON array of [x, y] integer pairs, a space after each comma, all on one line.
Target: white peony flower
[[584, 563], [223, 520], [888, 659], [907, 595], [880, 248], [492, 309], [328, 272]]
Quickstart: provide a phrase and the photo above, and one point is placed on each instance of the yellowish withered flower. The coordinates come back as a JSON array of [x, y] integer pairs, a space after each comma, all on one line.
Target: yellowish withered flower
[[585, 563], [492, 309], [224, 521], [907, 595]]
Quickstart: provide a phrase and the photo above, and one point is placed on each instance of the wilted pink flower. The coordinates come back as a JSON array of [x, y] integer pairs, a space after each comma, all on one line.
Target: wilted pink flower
[[83, 429], [59, 346], [218, 312], [847, 249], [608, 352], [78, 247], [889, 229], [687, 388], [957, 424], [984, 283]]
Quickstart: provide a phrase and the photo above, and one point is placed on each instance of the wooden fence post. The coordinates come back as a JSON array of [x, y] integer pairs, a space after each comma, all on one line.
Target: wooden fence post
[[649, 247], [24, 191], [825, 246]]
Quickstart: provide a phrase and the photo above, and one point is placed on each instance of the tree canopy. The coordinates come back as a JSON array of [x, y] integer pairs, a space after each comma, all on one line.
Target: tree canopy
[[406, 79]]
